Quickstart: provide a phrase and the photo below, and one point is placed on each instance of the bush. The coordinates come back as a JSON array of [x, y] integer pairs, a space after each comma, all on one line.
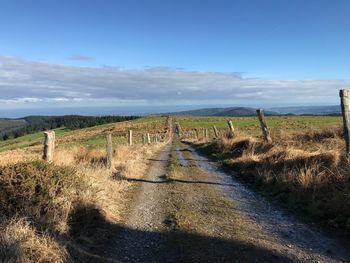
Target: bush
[[43, 193]]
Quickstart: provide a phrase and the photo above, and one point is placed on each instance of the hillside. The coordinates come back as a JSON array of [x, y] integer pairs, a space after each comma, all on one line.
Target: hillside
[[313, 110], [13, 128], [232, 111], [7, 125], [54, 212], [241, 111], [247, 111]]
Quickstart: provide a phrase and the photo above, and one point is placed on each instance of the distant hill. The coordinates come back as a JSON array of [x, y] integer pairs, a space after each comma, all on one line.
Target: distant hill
[[232, 111], [314, 110], [13, 128], [242, 111], [246, 111], [8, 125]]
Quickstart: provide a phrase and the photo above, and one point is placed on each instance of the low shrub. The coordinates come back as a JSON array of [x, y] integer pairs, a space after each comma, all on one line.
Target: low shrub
[[44, 193], [37, 201]]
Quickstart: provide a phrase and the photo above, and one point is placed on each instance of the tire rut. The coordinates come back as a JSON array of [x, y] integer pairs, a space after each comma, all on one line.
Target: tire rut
[[141, 237], [200, 214]]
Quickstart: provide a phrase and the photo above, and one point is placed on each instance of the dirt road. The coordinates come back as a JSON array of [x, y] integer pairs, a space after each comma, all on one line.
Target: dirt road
[[187, 210], [142, 237]]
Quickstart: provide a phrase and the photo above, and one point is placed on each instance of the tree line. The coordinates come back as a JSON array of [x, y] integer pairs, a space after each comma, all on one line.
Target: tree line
[[71, 122]]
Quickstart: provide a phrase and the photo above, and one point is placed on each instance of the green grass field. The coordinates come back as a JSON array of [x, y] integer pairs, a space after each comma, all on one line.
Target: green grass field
[[251, 126], [28, 140], [95, 140]]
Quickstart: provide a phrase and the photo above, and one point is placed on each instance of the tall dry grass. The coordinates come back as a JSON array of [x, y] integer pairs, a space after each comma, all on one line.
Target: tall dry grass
[[45, 207], [129, 162], [308, 172], [20, 242]]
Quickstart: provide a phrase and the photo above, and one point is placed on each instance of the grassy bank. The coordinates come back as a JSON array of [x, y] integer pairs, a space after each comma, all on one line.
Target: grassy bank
[[38, 201], [306, 172], [62, 212]]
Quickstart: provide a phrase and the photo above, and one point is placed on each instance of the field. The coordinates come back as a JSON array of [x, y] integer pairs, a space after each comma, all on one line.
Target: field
[[304, 168], [250, 125], [95, 136], [90, 137], [66, 210], [55, 204]]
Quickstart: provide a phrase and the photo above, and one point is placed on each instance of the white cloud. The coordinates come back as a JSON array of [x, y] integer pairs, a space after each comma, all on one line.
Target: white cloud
[[23, 81], [20, 100]]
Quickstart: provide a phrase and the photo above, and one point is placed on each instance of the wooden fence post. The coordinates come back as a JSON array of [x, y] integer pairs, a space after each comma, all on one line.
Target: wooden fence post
[[156, 138], [130, 137], [230, 125], [215, 131], [143, 139], [109, 151], [197, 134], [148, 138], [264, 128], [206, 133], [178, 128], [345, 108], [49, 146]]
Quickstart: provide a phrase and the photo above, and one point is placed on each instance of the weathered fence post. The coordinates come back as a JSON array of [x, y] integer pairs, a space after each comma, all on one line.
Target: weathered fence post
[[156, 138], [197, 134], [345, 108], [206, 133], [143, 139], [215, 131], [264, 128], [178, 128], [148, 138], [230, 125], [109, 151], [130, 137], [49, 146]]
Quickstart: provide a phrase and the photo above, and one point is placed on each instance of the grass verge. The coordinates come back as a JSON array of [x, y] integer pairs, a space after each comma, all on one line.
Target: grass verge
[[300, 172], [63, 212]]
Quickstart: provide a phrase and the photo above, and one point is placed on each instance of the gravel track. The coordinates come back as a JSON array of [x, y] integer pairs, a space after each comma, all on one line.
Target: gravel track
[[140, 239], [300, 241], [201, 214]]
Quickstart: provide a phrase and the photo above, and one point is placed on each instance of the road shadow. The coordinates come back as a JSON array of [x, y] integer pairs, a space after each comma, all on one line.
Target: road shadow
[[123, 244], [165, 180], [157, 160], [185, 150]]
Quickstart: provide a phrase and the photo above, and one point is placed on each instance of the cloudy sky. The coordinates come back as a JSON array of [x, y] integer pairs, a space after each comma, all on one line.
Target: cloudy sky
[[171, 54]]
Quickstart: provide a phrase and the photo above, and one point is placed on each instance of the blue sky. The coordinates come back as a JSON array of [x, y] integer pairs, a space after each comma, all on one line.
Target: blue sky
[[259, 50]]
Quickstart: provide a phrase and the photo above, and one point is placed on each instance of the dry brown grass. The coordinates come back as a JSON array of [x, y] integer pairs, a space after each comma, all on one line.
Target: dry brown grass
[[308, 171], [117, 129], [20, 242], [19, 155], [128, 162], [45, 206], [100, 189]]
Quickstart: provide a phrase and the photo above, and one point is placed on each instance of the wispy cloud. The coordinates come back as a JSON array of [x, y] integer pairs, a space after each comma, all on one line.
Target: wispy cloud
[[28, 82], [81, 57]]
